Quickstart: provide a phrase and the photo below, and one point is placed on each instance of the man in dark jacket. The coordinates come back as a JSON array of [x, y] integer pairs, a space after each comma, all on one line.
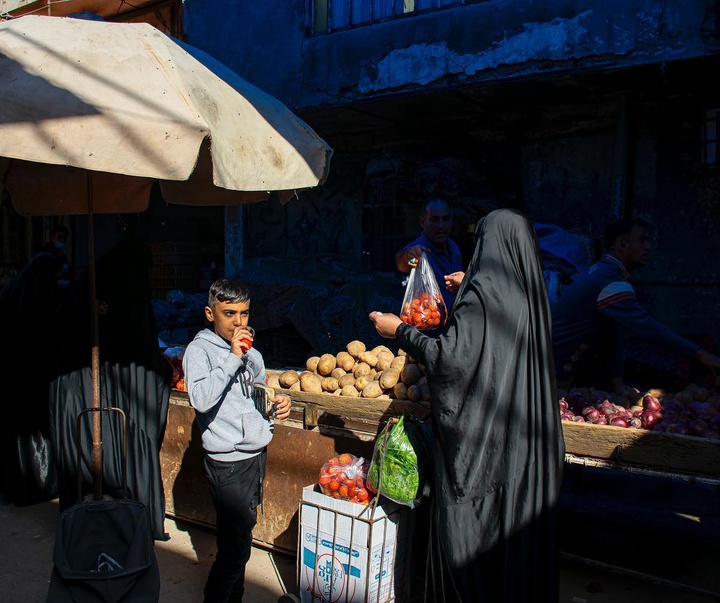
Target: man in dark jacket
[[600, 308]]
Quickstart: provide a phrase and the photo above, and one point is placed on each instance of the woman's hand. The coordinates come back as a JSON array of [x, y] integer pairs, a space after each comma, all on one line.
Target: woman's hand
[[386, 324], [452, 281]]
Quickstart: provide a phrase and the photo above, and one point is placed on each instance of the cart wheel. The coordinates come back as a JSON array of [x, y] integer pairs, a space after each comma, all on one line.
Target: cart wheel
[[287, 598]]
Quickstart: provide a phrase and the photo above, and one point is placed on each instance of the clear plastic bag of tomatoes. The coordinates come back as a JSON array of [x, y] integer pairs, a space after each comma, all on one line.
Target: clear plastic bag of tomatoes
[[423, 306], [344, 477]]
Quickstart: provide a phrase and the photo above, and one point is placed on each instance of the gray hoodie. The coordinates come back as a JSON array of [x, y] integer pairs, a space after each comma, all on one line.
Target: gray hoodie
[[219, 385]]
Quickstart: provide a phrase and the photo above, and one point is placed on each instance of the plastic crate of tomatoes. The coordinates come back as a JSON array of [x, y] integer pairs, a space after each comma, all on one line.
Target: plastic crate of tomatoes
[[344, 477]]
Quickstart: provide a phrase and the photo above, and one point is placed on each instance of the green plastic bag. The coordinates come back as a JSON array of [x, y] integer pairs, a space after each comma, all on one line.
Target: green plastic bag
[[401, 461]]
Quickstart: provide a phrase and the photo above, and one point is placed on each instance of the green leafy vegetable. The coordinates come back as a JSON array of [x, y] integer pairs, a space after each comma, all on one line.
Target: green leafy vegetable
[[396, 470]]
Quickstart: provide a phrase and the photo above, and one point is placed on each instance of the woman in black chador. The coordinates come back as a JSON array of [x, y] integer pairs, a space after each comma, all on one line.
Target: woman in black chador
[[499, 449], [134, 377]]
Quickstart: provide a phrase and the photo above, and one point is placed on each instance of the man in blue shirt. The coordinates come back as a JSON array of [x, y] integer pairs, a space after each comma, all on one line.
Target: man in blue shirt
[[600, 308], [443, 254]]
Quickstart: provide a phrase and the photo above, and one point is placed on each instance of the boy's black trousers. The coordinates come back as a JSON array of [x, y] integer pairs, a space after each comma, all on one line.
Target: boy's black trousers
[[236, 489]]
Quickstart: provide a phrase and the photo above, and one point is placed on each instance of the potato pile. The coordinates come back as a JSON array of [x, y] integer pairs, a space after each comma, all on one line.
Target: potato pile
[[359, 372]]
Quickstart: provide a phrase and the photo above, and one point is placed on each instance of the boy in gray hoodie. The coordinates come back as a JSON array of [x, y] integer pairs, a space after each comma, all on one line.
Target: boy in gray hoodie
[[220, 368]]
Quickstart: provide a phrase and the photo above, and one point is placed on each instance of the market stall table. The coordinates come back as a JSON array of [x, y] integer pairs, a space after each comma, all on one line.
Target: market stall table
[[323, 425]]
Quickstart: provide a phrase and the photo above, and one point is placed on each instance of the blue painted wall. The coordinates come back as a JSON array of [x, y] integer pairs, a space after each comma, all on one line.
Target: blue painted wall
[[267, 43]]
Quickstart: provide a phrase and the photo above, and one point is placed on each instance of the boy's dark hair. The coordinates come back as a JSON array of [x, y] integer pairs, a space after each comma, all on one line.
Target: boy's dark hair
[[228, 290], [620, 228]]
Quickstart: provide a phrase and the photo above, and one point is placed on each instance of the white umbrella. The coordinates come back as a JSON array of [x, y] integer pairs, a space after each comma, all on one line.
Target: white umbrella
[[92, 113]]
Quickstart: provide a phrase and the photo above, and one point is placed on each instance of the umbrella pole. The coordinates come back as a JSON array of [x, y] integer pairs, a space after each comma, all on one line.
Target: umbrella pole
[[97, 455]]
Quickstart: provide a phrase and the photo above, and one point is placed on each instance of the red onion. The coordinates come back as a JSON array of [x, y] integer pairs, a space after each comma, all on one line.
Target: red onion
[[648, 419], [618, 422], [650, 402], [636, 423]]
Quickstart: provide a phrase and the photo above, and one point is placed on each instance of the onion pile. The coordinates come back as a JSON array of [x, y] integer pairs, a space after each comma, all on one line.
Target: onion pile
[[694, 411]]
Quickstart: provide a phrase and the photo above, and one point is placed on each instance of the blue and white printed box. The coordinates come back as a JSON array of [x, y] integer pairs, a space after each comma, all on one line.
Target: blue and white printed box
[[350, 554]]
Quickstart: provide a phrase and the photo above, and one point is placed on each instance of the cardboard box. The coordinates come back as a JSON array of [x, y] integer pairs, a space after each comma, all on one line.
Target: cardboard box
[[348, 554]]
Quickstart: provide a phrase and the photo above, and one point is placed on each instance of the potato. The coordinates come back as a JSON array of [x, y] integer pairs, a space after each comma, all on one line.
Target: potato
[[384, 361], [295, 387], [410, 374], [389, 378], [310, 383], [701, 394], [372, 390], [311, 363], [326, 365], [402, 353], [287, 378], [336, 392], [381, 348], [345, 361], [383, 397], [368, 358], [346, 380], [274, 381], [361, 382], [659, 393], [329, 384], [355, 348], [350, 390], [414, 394], [684, 397], [337, 373], [400, 391], [361, 369], [398, 363]]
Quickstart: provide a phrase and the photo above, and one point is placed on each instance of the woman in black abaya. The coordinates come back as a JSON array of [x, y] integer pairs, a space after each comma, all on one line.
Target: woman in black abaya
[[134, 377], [499, 449]]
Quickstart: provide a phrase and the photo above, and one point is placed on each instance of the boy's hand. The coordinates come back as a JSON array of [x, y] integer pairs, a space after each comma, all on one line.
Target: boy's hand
[[238, 345], [282, 407]]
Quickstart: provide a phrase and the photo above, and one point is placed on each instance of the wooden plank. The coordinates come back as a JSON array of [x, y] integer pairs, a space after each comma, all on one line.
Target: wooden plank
[[641, 447], [663, 451]]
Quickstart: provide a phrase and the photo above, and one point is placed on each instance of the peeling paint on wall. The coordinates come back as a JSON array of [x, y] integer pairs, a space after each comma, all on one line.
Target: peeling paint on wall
[[560, 39]]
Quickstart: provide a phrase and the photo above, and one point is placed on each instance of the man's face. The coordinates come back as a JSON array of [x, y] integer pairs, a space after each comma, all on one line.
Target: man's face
[[635, 248], [226, 317], [437, 223]]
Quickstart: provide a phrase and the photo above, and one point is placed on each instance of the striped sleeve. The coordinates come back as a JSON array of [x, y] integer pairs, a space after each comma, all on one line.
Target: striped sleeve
[[615, 293]]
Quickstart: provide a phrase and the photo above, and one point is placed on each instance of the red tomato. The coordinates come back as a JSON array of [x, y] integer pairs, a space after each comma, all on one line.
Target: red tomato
[[334, 485], [345, 459], [324, 480], [362, 494], [343, 491]]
